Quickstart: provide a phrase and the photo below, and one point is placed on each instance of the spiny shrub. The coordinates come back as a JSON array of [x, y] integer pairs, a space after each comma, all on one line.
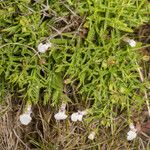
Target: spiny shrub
[[88, 53]]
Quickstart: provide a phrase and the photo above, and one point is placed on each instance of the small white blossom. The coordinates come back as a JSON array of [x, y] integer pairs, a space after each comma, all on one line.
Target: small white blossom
[[74, 117], [78, 116], [60, 115], [42, 48], [91, 135], [131, 135], [131, 42], [25, 118]]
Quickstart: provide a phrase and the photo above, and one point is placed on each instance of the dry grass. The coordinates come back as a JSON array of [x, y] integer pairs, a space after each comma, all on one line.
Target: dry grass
[[10, 131], [46, 134]]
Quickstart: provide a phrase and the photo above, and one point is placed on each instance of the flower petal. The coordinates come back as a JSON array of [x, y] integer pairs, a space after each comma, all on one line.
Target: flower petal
[[91, 135], [74, 117], [131, 135], [60, 116], [25, 119]]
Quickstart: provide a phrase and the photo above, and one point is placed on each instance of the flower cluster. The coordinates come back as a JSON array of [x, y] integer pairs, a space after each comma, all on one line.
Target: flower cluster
[[25, 119], [61, 115]]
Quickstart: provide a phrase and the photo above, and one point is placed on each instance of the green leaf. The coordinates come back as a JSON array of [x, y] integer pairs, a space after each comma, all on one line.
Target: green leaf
[[120, 25], [12, 29], [57, 82]]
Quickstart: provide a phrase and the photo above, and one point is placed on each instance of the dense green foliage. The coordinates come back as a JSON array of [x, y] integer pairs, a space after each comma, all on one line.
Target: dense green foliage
[[98, 64]]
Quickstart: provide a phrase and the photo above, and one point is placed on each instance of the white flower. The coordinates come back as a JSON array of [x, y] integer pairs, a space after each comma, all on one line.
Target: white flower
[[131, 135], [42, 48], [91, 135], [25, 118], [131, 42], [74, 117], [60, 115], [78, 116]]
